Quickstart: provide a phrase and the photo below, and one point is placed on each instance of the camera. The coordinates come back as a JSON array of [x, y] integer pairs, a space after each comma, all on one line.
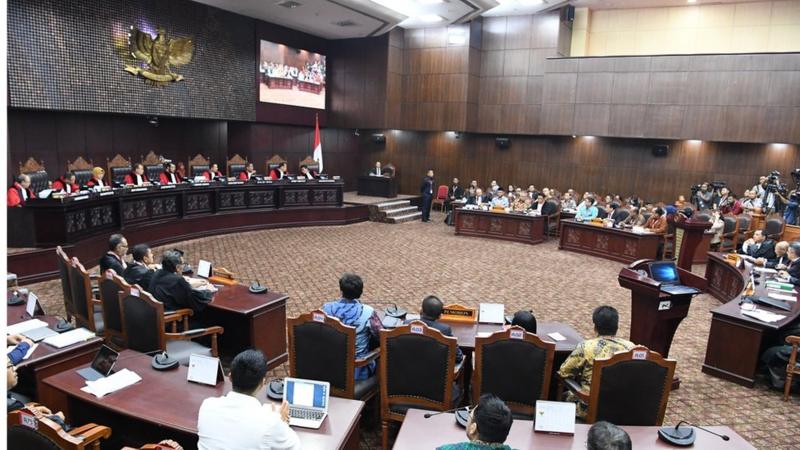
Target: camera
[[717, 185]]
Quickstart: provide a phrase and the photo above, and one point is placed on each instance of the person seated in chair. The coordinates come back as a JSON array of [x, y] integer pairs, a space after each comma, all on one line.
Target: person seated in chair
[[238, 419], [351, 312], [578, 365], [212, 173], [759, 246], [66, 184], [478, 199], [248, 173], [586, 210], [781, 260], [20, 192], [567, 202], [142, 269], [376, 171], [115, 256], [170, 174], [521, 202], [137, 177], [15, 402], [792, 270], [488, 427], [614, 212], [526, 320], [97, 182], [430, 313], [454, 192], [657, 223], [538, 205], [307, 173], [279, 173], [635, 219], [171, 288], [501, 201], [607, 436]]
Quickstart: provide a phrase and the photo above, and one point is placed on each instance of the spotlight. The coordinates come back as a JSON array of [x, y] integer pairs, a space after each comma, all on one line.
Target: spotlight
[[356, 133], [153, 120]]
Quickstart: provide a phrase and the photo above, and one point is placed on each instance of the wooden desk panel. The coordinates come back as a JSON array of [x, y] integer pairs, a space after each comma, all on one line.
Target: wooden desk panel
[[610, 243], [418, 432], [165, 405], [375, 186], [500, 225]]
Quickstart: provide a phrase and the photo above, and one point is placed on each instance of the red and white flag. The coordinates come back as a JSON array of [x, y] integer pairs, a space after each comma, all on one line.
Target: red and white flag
[[317, 146]]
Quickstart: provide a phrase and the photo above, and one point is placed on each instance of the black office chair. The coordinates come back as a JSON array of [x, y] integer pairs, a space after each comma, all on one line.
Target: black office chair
[[198, 165], [729, 238], [514, 365], [322, 348], [773, 228]]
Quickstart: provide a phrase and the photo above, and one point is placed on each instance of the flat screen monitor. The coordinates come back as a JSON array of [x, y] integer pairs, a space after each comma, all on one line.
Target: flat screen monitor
[[290, 76]]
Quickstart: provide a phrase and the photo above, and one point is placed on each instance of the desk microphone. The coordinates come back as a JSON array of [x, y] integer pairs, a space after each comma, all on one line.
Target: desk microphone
[[429, 415], [684, 436]]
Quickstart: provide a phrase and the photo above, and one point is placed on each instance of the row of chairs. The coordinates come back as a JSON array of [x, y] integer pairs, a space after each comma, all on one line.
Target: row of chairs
[[417, 368], [128, 316], [119, 166]]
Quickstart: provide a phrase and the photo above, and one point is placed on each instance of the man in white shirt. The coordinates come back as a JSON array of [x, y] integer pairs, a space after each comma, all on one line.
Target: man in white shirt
[[238, 419], [377, 170]]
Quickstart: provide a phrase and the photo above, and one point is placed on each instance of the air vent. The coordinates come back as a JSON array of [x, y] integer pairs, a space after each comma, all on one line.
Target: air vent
[[345, 23], [289, 4]]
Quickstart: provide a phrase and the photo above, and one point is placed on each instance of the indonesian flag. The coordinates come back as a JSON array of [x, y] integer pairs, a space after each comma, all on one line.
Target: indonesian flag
[[317, 146]]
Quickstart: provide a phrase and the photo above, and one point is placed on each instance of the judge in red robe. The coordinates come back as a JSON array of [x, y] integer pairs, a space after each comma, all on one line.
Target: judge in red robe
[[248, 172], [137, 177], [279, 173], [66, 184], [97, 178], [169, 175], [20, 192], [212, 173]]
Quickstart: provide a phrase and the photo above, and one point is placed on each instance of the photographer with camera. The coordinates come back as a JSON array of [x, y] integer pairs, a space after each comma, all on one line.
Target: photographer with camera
[[772, 193], [791, 213]]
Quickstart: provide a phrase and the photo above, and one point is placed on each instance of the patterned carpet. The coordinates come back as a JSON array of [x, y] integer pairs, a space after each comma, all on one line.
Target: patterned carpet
[[402, 263]]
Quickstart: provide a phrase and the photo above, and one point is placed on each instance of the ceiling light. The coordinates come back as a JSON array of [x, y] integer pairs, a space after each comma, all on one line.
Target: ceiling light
[[691, 1], [429, 2], [694, 141], [431, 18]]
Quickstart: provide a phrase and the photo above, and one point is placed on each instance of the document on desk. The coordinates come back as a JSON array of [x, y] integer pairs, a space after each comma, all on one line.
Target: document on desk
[[556, 336], [784, 297], [111, 383], [764, 316], [492, 313], [554, 417], [765, 270], [28, 325], [27, 355], [70, 337]]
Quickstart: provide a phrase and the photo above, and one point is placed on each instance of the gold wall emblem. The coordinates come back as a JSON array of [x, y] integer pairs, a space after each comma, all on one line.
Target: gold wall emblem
[[158, 55]]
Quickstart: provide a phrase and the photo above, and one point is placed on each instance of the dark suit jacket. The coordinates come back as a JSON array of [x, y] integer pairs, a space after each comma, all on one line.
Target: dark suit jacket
[[138, 274], [794, 272], [549, 208], [473, 200], [110, 262], [458, 192], [174, 291], [771, 263], [426, 188], [445, 329], [766, 250]]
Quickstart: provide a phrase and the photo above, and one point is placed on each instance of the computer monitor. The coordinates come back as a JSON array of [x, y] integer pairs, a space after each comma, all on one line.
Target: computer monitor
[[664, 272]]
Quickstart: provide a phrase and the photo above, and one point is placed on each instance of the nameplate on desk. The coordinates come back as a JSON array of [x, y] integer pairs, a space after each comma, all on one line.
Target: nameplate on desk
[[336, 178], [235, 182], [326, 181], [264, 182], [169, 186], [202, 184], [204, 369], [299, 180], [141, 189], [80, 197], [458, 313], [106, 194]]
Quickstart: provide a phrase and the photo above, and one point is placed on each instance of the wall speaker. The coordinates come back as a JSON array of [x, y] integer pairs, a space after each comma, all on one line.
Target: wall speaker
[[660, 151], [379, 138], [568, 14], [502, 142]]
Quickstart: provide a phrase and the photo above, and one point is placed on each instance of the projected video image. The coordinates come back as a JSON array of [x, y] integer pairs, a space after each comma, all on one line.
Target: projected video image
[[289, 76]]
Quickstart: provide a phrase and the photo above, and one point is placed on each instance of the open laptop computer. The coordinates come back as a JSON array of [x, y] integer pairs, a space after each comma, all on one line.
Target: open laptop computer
[[666, 273], [308, 401], [102, 365]]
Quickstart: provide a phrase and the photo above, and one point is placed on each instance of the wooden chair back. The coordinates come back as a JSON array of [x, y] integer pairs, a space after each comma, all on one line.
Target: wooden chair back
[[29, 431], [34, 169], [274, 162], [631, 388], [64, 265], [792, 368], [118, 167], [198, 165], [514, 365], [235, 166], [323, 348], [81, 289], [774, 227], [153, 165], [310, 163], [111, 285], [82, 170], [142, 320]]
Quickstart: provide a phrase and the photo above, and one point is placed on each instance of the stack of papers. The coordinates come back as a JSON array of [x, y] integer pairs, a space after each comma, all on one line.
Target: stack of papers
[[28, 325], [765, 270], [111, 383], [778, 285], [764, 316], [784, 297], [69, 338]]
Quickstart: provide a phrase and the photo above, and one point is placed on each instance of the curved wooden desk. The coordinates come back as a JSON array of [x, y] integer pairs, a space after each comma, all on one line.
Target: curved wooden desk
[[500, 225], [610, 243], [735, 341]]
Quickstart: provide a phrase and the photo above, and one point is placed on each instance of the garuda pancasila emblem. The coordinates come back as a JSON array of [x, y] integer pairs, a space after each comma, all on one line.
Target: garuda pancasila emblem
[[158, 55]]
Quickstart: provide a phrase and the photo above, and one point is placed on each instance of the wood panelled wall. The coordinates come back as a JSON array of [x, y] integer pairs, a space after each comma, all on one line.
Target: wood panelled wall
[[58, 137], [357, 82], [512, 65], [739, 98], [604, 165]]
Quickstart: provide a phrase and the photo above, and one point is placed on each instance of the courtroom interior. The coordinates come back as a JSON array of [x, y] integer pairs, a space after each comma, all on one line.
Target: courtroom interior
[[402, 224]]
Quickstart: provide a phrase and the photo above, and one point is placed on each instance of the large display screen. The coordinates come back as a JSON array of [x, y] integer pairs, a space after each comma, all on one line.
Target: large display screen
[[289, 76]]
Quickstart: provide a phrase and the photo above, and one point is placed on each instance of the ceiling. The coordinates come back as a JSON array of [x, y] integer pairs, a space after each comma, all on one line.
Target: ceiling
[[342, 19]]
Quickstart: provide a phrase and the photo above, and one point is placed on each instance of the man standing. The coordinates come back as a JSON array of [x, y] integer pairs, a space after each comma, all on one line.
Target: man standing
[[426, 189]]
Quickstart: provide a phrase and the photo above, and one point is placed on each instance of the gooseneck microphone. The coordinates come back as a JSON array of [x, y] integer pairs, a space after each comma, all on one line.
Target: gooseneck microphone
[[724, 437], [429, 415]]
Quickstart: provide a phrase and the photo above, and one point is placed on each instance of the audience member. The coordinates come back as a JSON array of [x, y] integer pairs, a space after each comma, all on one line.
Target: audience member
[[526, 320], [488, 426], [578, 365], [717, 227], [704, 198], [114, 258], [143, 267], [478, 199], [521, 202], [20, 192], [607, 436], [454, 192], [350, 311], [587, 210], [238, 419], [657, 223], [430, 312], [567, 202], [751, 204], [501, 201], [538, 205]]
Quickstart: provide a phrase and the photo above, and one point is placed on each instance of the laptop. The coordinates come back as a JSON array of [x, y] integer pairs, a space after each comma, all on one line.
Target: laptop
[[102, 365], [39, 334], [666, 273], [308, 401]]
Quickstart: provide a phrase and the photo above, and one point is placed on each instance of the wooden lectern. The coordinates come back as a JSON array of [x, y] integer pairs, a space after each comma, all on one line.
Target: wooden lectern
[[655, 315], [688, 236]]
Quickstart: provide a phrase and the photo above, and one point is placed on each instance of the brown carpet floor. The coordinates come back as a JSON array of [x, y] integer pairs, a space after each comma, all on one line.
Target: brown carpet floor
[[402, 263]]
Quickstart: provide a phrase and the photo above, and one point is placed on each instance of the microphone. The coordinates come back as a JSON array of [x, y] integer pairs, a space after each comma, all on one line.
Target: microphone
[[429, 415], [724, 437]]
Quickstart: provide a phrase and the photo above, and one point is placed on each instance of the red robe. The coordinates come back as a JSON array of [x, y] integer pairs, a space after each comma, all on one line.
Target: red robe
[[207, 175], [164, 178], [15, 195], [92, 182], [276, 175], [131, 178], [61, 185], [243, 175]]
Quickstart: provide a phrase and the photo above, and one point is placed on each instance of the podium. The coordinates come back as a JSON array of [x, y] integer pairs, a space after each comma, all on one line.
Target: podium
[[375, 186], [655, 315], [689, 235]]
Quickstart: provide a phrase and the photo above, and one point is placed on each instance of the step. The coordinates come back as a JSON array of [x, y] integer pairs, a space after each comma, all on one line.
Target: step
[[401, 211], [406, 218], [386, 205]]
